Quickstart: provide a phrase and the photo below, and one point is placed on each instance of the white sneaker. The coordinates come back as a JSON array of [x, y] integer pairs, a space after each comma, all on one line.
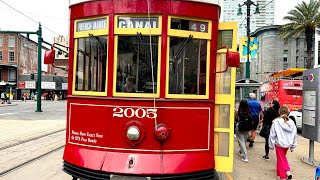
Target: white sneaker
[[289, 175], [244, 160]]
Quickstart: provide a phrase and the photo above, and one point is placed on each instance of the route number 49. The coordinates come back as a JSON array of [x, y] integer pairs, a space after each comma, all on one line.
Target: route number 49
[[130, 112]]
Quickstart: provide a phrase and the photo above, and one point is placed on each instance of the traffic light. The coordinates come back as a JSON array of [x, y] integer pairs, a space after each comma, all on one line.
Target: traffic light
[[32, 76]]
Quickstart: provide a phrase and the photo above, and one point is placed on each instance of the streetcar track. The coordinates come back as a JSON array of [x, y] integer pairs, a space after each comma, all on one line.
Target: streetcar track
[[31, 139], [10, 170]]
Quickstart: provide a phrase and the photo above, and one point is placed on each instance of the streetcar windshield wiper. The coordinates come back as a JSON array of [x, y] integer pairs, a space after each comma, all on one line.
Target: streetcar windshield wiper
[[182, 47], [180, 50], [96, 40]]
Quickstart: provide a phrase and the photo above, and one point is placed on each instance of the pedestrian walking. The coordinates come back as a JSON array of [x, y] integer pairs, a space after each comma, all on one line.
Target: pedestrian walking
[[282, 137], [243, 120], [270, 114], [257, 115], [3, 98]]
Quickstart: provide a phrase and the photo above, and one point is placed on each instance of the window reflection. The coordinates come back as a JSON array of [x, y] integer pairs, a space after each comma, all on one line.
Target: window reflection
[[134, 65], [91, 64], [187, 70]]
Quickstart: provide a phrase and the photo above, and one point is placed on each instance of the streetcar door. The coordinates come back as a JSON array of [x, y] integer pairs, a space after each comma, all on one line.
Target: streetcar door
[[224, 99]]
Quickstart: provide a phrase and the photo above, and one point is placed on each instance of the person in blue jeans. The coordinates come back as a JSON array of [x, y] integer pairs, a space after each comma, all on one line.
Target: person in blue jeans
[[257, 116]]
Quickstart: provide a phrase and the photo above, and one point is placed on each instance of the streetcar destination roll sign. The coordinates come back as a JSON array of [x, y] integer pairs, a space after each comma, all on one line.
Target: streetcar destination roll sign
[[138, 22], [92, 24]]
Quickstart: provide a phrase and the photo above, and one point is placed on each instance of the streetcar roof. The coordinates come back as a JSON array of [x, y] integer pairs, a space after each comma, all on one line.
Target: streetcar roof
[[73, 2], [291, 72]]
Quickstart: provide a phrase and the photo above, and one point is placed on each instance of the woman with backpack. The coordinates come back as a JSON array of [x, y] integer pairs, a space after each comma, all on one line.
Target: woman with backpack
[[282, 137], [270, 114], [243, 120]]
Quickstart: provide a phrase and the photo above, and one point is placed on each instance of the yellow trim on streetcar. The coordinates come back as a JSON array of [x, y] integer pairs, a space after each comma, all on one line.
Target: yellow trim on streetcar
[[89, 93], [134, 31], [97, 32], [225, 163], [142, 95], [229, 26], [188, 96]]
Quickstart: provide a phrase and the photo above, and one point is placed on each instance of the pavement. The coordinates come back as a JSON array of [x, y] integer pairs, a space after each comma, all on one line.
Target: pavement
[[15, 131]]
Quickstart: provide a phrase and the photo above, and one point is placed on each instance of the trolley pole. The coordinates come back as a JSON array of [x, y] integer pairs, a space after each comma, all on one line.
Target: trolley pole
[[248, 3], [39, 33]]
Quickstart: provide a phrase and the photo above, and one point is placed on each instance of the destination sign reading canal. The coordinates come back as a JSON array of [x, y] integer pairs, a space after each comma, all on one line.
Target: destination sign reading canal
[[92, 24], [136, 22]]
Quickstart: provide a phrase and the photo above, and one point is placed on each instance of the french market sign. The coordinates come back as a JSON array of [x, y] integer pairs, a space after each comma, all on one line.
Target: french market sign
[[92, 24], [138, 22]]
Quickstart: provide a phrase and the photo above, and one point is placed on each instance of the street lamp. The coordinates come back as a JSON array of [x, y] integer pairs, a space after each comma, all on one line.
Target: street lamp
[[248, 3]]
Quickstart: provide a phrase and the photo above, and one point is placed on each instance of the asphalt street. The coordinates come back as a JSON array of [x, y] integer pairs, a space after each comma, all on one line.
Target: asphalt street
[[20, 110]]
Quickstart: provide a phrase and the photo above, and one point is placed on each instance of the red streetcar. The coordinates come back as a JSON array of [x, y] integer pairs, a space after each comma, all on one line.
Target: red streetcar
[[150, 92]]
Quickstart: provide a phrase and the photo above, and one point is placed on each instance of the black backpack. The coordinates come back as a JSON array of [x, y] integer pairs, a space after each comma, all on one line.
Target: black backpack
[[245, 121]]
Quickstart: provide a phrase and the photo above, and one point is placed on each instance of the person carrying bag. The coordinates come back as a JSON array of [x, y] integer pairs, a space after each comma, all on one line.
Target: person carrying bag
[[271, 114]]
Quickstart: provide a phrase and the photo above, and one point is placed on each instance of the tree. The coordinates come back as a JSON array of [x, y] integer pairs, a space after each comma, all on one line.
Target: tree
[[303, 18]]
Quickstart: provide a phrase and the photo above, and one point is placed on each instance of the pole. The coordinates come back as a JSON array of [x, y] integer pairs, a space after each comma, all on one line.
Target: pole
[[311, 151], [39, 69], [248, 3]]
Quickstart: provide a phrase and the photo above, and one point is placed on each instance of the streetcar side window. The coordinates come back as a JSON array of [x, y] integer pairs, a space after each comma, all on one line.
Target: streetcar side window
[[187, 66], [91, 59]]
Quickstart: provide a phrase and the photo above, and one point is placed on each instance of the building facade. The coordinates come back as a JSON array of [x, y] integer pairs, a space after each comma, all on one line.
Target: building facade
[[18, 55], [277, 54], [266, 16], [18, 59], [61, 58]]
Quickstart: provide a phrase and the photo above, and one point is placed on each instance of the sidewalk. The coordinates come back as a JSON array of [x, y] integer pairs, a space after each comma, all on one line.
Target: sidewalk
[[259, 169], [28, 124]]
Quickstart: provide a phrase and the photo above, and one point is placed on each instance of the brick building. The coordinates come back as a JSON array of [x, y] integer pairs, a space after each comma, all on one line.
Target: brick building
[[19, 58]]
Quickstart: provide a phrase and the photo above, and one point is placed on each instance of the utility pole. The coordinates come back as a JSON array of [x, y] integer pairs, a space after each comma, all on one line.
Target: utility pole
[[248, 3], [39, 33]]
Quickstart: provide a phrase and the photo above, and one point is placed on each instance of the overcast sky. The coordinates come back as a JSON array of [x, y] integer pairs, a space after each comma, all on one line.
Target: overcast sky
[[282, 7], [53, 15]]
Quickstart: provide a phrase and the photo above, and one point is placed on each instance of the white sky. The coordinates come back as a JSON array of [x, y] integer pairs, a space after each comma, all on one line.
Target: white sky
[[53, 15], [282, 7]]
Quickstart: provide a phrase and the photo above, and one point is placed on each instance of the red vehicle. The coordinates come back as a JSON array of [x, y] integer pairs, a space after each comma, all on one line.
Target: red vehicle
[[287, 92], [150, 93]]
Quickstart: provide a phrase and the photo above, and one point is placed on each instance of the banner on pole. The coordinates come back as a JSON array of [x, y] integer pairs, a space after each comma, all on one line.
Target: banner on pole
[[243, 50]]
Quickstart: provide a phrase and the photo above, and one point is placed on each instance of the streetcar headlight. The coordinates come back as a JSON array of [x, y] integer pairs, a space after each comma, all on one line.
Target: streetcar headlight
[[133, 133]]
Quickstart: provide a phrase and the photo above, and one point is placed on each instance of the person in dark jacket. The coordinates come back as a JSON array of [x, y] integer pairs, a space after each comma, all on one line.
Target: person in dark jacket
[[270, 114], [243, 110]]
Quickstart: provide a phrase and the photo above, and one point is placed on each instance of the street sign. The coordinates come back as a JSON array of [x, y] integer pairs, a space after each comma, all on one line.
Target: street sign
[[48, 85]]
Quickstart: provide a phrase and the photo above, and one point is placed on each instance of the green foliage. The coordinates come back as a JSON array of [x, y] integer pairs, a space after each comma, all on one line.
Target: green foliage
[[304, 18]]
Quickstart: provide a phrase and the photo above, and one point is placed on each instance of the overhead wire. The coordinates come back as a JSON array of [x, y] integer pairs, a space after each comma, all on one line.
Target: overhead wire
[[28, 17], [151, 56]]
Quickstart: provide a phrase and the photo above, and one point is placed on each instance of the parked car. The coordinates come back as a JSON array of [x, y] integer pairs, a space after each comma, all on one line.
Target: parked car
[[296, 116]]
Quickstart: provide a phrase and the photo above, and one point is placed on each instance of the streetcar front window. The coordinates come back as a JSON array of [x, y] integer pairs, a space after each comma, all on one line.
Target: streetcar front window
[[91, 64], [135, 64], [187, 66]]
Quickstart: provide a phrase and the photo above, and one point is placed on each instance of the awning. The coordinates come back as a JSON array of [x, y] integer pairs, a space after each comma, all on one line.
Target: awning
[[291, 72], [8, 65]]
